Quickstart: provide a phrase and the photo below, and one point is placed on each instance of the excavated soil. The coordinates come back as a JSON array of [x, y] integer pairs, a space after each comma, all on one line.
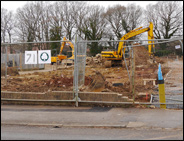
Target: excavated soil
[[141, 55], [13, 71], [97, 79], [40, 82]]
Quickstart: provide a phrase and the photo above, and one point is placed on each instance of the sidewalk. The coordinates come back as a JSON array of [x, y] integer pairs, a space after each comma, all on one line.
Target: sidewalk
[[56, 116]]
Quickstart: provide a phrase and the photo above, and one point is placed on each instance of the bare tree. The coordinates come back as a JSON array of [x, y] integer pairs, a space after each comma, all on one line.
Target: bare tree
[[56, 31], [56, 17], [93, 27], [68, 22], [3, 24], [122, 19], [114, 17], [21, 30], [30, 15], [80, 12], [7, 25], [94, 24], [29, 19], [167, 17], [44, 23], [132, 18]]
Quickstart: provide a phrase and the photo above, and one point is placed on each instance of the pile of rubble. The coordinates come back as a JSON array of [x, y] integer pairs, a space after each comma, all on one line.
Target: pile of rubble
[[94, 60], [140, 52], [12, 71]]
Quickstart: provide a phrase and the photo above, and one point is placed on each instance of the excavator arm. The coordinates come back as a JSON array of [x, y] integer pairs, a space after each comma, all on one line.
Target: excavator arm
[[150, 37], [67, 43], [135, 32], [62, 45], [72, 47], [60, 56]]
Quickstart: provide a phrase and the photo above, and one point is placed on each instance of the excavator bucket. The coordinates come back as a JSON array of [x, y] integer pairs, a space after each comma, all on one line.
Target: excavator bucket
[[61, 57], [97, 84]]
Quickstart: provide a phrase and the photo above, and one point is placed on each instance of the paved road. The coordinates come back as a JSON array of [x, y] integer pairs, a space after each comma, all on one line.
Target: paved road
[[91, 116], [90, 123], [49, 133]]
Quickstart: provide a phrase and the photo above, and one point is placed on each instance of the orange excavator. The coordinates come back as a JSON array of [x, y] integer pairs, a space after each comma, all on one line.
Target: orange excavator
[[60, 56]]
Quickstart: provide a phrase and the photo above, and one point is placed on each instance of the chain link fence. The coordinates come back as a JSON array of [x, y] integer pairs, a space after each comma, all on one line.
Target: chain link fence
[[13, 55]]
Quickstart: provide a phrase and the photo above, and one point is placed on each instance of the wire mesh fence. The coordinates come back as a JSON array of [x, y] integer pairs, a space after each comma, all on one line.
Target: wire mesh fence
[[138, 73], [135, 76]]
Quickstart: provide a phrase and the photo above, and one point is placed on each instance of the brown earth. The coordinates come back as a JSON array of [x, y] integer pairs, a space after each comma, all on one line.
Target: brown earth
[[141, 55], [97, 79], [62, 80], [13, 71]]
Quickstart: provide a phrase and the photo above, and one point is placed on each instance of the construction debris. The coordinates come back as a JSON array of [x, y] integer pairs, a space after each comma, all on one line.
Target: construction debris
[[97, 60], [97, 84], [99, 79], [12, 71]]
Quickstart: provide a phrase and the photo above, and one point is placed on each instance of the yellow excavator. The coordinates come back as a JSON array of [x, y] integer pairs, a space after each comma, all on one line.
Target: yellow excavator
[[60, 56], [116, 57]]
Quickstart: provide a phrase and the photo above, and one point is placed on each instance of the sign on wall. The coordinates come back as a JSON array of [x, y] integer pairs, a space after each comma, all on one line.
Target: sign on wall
[[44, 56], [177, 46], [30, 57]]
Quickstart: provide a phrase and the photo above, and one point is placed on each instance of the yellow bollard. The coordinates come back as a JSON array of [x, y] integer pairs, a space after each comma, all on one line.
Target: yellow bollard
[[161, 88]]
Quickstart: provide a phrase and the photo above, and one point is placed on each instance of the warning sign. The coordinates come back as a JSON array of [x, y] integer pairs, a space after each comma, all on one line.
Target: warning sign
[[177, 46]]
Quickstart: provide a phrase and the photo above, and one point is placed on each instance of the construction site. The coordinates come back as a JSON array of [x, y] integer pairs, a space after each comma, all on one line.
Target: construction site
[[108, 77], [103, 78], [94, 70]]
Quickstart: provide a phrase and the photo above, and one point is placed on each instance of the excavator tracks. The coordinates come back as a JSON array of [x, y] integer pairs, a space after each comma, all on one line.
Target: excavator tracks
[[113, 63]]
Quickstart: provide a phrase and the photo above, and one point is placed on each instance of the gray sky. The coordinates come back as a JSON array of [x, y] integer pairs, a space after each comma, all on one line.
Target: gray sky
[[13, 5]]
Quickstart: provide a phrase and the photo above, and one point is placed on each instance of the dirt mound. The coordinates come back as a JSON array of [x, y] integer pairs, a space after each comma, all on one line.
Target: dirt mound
[[12, 71], [97, 80], [100, 84], [64, 81], [60, 81], [97, 83], [141, 55], [39, 84], [87, 80], [159, 60]]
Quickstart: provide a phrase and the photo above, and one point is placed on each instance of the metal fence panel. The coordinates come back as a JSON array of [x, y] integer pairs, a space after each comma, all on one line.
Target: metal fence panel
[[81, 54]]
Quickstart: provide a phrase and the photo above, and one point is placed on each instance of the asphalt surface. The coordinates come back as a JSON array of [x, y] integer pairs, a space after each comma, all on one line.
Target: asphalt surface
[[60, 116], [170, 99], [9, 132]]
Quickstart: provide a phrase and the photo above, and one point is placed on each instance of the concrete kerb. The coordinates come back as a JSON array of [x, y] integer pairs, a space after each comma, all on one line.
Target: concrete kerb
[[87, 126], [61, 125], [33, 124]]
